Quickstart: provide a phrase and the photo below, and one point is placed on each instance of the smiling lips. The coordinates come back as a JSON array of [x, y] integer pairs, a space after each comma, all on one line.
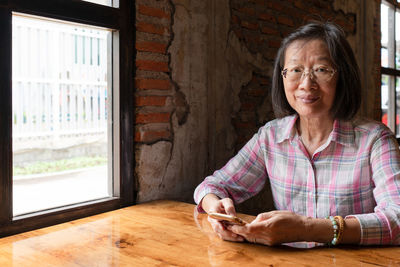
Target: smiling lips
[[308, 99]]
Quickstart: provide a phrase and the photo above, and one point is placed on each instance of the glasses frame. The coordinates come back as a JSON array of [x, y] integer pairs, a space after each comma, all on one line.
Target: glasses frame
[[305, 73]]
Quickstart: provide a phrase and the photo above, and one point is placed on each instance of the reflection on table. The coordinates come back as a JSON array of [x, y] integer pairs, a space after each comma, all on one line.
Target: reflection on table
[[166, 233]]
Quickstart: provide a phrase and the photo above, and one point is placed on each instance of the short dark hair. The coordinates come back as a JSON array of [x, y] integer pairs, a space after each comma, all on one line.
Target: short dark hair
[[348, 89]]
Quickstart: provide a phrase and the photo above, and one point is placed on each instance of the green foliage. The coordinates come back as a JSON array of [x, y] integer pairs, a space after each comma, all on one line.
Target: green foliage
[[59, 165]]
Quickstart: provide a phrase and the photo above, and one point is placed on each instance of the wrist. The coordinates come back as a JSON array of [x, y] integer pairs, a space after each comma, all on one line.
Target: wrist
[[208, 202], [318, 230]]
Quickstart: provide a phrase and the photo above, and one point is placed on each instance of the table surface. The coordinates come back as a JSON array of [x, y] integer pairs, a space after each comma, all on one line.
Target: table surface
[[166, 233]]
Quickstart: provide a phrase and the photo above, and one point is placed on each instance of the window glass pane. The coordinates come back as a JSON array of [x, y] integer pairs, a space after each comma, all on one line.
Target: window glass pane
[[397, 44], [61, 112], [384, 32], [388, 101], [104, 2], [384, 98], [397, 106]]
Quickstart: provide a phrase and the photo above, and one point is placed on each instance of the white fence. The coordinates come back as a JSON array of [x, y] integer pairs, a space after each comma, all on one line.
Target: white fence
[[59, 80]]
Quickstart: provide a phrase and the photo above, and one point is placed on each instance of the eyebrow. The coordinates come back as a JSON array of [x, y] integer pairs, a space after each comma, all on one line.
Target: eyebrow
[[318, 59]]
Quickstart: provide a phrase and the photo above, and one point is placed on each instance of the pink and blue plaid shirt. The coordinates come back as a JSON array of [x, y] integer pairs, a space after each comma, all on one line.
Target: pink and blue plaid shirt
[[356, 173]]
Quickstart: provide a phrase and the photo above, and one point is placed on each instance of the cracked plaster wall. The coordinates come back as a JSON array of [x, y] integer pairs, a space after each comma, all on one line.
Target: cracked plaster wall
[[210, 66]]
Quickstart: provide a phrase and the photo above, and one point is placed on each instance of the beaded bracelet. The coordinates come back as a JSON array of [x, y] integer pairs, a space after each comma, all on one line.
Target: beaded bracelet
[[338, 227], [335, 230]]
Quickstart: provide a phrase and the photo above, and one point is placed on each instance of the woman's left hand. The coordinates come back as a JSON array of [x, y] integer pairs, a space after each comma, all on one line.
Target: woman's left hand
[[272, 228]]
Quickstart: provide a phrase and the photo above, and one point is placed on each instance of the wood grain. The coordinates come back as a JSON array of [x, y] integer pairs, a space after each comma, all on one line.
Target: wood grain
[[166, 233]]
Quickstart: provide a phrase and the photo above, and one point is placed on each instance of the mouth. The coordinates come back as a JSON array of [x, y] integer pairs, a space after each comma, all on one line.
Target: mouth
[[308, 99]]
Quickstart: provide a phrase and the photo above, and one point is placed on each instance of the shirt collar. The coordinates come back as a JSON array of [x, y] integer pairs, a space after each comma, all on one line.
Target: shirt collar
[[288, 129], [342, 132]]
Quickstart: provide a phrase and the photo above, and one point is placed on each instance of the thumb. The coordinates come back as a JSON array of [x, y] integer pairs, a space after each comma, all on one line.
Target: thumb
[[263, 216], [229, 207]]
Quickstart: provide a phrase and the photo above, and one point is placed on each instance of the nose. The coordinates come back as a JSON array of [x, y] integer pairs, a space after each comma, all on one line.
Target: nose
[[307, 81]]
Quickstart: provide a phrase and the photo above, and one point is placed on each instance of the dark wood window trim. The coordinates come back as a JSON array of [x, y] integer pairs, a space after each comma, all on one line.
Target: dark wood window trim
[[392, 71], [121, 19]]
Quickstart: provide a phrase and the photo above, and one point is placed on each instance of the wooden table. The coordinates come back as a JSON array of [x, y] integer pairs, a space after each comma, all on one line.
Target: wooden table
[[166, 233]]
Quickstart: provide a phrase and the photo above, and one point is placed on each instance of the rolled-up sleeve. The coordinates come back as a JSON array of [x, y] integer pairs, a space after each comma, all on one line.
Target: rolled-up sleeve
[[383, 225], [241, 178]]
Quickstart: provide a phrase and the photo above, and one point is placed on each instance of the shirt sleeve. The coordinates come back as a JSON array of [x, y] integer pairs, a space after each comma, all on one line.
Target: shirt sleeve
[[383, 226], [241, 178]]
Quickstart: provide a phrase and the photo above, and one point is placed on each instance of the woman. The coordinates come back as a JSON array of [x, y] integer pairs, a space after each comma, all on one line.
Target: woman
[[334, 179]]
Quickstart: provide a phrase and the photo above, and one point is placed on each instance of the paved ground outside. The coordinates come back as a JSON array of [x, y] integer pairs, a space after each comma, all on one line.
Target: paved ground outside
[[37, 192]]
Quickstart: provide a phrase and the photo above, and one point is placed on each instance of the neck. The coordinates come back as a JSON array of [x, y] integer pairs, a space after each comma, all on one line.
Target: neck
[[314, 131]]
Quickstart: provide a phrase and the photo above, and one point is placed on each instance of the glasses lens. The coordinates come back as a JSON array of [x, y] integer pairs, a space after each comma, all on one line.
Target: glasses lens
[[323, 76], [318, 75], [294, 75]]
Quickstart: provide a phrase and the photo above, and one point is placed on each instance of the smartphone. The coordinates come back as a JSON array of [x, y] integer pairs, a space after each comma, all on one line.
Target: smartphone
[[227, 218]]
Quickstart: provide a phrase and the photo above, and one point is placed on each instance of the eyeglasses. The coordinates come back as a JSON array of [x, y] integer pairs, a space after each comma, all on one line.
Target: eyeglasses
[[318, 74]]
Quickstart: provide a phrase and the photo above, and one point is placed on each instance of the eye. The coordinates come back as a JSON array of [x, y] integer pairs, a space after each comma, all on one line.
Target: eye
[[321, 70], [296, 70]]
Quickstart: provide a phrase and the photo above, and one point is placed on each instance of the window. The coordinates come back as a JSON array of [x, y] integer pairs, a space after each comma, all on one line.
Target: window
[[390, 62], [67, 106], [113, 3]]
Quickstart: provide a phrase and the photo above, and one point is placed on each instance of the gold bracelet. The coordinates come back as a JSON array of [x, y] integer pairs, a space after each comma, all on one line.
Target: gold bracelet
[[341, 229]]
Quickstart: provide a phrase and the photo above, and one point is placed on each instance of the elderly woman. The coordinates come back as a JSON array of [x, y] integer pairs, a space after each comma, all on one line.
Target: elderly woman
[[334, 178]]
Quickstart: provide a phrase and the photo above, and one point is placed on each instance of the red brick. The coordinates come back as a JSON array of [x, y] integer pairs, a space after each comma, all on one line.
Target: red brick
[[151, 47], [153, 12], [300, 4], [285, 21], [247, 10], [151, 136], [151, 28], [152, 65], [150, 100], [235, 19], [249, 25], [267, 17], [153, 84], [258, 2], [269, 30], [276, 5], [153, 117]]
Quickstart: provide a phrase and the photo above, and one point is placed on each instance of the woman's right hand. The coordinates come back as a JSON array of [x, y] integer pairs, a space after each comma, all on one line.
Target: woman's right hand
[[211, 203]]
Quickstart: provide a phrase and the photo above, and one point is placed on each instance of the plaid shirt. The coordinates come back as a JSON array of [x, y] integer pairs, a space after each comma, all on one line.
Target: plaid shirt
[[356, 173]]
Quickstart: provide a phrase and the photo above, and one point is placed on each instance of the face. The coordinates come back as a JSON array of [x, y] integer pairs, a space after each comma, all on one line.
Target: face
[[310, 97]]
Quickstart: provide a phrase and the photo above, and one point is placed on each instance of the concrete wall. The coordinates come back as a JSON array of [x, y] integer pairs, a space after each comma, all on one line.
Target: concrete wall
[[203, 81]]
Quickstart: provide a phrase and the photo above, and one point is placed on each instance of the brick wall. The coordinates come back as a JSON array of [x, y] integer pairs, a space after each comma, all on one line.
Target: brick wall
[[154, 90], [261, 25], [258, 24], [222, 64]]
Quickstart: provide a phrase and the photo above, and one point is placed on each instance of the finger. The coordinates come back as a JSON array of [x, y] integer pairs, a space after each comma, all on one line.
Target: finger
[[230, 236], [244, 232], [228, 206], [238, 229], [223, 232]]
